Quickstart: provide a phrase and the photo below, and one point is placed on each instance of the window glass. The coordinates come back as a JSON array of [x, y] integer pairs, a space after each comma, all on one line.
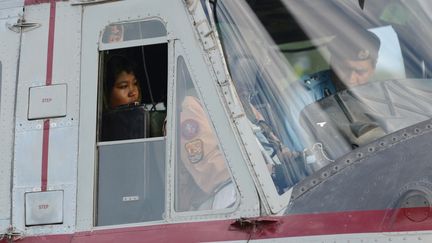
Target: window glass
[[133, 31], [131, 143], [134, 92], [131, 185], [327, 77], [203, 181]]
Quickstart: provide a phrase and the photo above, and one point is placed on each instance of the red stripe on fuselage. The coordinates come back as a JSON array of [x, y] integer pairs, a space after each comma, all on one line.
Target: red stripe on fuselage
[[45, 145], [50, 52], [49, 70], [33, 2], [316, 224]]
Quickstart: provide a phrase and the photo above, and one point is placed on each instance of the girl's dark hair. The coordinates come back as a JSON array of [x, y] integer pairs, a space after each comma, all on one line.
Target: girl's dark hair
[[113, 68]]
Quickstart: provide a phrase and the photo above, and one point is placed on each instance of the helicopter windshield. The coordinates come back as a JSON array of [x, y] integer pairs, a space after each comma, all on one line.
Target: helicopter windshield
[[320, 79]]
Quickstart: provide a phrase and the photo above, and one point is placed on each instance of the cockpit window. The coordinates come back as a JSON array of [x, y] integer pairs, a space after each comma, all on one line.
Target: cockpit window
[[203, 181], [131, 142], [134, 92], [320, 79], [119, 32]]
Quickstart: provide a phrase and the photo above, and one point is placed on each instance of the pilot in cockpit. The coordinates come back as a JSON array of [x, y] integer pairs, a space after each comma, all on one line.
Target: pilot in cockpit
[[353, 59]]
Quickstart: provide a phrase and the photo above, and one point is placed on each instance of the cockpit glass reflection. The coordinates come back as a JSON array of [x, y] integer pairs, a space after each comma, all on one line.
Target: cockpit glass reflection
[[326, 77]]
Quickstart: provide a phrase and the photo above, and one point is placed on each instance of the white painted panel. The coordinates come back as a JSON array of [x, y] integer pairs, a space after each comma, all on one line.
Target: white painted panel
[[28, 138], [33, 59], [63, 132], [44, 208], [19, 212], [9, 48], [11, 3], [47, 101], [62, 157], [28, 156]]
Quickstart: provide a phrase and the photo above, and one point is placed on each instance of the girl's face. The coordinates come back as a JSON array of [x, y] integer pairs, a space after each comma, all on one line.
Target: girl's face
[[125, 90]]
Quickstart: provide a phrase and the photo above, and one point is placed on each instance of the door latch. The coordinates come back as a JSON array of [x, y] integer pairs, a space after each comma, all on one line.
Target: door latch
[[22, 25], [11, 235], [256, 226]]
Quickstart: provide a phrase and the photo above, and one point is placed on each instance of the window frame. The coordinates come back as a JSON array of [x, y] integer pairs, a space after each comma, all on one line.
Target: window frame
[[101, 48], [179, 215]]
